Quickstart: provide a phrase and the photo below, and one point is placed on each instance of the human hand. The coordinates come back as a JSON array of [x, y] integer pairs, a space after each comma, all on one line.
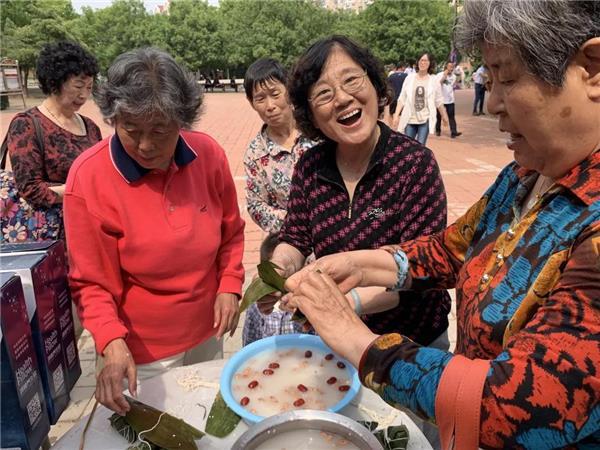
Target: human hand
[[267, 303], [118, 364], [341, 267], [226, 313], [58, 189], [331, 315]]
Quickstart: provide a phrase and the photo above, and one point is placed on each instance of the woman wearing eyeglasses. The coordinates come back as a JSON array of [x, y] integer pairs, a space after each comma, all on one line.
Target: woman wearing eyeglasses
[[363, 187]]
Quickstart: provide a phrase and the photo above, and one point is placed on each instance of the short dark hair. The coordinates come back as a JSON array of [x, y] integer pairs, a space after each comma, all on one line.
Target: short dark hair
[[260, 72], [61, 60], [307, 71], [400, 65], [431, 59]]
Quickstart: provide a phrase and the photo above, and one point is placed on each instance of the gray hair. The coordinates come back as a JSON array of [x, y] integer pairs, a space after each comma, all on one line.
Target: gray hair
[[148, 82], [545, 34]]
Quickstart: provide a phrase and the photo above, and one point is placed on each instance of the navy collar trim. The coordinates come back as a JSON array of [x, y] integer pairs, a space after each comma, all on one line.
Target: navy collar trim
[[131, 171]]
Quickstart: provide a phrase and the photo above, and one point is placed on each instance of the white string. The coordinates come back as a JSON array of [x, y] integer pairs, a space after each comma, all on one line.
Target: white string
[[144, 441], [128, 433]]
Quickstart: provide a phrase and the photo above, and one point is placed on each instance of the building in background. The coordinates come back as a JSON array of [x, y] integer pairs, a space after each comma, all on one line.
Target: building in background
[[162, 9], [355, 5]]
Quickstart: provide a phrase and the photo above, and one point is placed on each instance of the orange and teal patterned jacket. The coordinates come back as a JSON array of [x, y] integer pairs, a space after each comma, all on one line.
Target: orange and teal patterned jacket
[[528, 300]]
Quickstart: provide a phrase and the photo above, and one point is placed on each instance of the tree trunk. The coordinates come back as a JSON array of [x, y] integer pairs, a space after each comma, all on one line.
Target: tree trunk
[[25, 77]]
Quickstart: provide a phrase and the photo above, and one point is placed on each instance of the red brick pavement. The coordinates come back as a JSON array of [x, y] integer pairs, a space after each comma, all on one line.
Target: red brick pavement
[[469, 163]]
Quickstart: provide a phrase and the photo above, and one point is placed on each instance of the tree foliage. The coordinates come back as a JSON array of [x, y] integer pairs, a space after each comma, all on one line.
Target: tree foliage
[[26, 27], [194, 34], [228, 37], [280, 29], [404, 30], [110, 31]]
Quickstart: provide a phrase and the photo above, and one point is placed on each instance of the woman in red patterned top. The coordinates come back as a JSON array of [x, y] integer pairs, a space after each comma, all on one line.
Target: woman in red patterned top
[[66, 74]]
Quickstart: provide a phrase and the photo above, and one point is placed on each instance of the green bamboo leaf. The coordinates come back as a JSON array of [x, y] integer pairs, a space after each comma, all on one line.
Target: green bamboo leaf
[[161, 429], [393, 438], [221, 418], [267, 272], [121, 426], [257, 290]]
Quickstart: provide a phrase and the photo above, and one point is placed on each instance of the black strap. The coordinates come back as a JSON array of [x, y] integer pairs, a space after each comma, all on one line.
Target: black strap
[[39, 135]]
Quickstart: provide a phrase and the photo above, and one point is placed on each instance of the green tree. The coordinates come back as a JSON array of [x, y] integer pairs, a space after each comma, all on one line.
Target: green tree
[[195, 34], [110, 31], [404, 30], [275, 28], [27, 26]]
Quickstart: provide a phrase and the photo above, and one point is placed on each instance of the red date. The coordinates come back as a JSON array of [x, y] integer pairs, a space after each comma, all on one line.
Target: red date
[[329, 356], [307, 354], [341, 365], [344, 388], [274, 366], [244, 401], [332, 380], [302, 388], [253, 384], [268, 372], [299, 402]]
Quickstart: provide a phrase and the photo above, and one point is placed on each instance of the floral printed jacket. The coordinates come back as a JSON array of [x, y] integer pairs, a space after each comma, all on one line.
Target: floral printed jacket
[[269, 168], [31, 211], [528, 300]]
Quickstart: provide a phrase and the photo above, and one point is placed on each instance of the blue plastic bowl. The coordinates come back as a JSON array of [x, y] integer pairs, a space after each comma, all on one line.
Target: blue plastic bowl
[[277, 343]]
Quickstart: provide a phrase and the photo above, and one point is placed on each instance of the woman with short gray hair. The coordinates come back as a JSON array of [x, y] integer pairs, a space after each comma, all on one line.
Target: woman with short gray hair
[[149, 82], [524, 259], [153, 227]]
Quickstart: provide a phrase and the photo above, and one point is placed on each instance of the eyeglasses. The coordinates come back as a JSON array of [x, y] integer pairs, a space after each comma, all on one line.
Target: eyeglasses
[[351, 84]]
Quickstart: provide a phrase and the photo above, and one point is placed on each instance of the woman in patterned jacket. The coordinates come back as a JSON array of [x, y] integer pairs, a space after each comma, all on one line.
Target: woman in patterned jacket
[[525, 259], [363, 186], [66, 73], [269, 163]]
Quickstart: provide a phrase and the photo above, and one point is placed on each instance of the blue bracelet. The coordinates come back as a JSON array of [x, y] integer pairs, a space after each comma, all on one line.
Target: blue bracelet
[[356, 297], [402, 263]]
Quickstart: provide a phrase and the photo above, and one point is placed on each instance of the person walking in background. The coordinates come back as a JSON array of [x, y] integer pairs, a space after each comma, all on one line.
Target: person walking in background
[[479, 78], [396, 80], [269, 163], [447, 80], [460, 77], [44, 141], [421, 96]]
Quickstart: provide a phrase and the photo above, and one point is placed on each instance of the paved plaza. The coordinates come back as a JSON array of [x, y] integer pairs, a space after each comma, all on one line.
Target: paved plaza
[[469, 164]]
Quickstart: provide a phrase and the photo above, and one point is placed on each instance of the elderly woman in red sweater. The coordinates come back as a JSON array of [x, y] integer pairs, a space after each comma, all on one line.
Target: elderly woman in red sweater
[[153, 228]]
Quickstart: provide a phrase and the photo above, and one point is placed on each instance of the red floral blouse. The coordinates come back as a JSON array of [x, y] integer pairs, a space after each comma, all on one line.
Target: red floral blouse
[[36, 169]]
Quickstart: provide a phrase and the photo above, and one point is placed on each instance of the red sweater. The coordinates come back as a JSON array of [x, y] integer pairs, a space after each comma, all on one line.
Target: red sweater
[[149, 250]]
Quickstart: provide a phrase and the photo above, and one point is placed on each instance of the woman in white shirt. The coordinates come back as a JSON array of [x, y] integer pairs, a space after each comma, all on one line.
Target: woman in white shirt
[[418, 101]]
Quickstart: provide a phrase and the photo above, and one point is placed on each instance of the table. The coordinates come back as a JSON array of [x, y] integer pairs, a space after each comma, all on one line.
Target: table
[[166, 393]]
